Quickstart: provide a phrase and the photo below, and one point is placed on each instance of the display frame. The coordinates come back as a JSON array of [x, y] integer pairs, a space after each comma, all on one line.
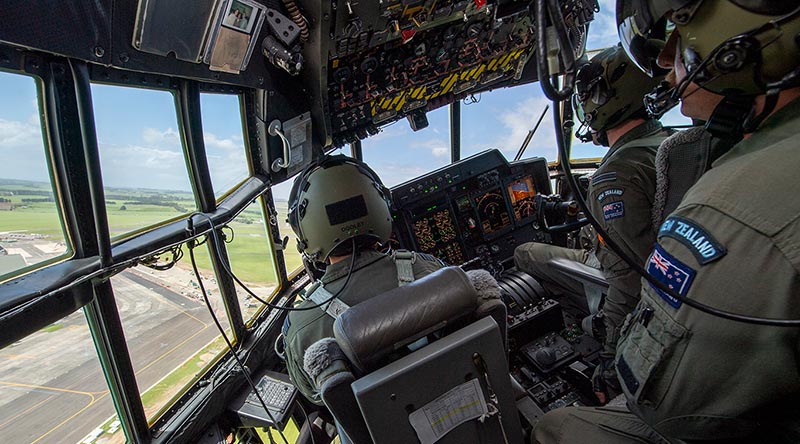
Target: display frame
[[521, 222], [501, 231]]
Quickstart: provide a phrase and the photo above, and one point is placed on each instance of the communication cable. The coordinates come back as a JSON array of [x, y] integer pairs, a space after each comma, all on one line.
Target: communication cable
[[228, 342], [229, 272]]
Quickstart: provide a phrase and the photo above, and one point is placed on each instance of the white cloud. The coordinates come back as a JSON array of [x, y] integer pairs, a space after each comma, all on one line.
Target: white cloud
[[233, 143], [437, 147], [18, 134], [137, 157], [603, 30], [521, 119], [155, 136], [393, 173]]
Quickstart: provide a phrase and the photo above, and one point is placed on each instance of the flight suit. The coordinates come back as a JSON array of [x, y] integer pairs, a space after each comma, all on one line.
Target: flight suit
[[733, 243], [373, 273], [620, 197]]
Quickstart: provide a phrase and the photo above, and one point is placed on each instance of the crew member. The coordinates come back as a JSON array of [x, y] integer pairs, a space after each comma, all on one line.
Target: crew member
[[339, 210], [732, 243], [608, 102]]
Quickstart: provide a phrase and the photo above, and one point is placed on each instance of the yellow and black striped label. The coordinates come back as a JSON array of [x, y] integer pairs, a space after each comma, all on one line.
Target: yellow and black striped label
[[396, 101]]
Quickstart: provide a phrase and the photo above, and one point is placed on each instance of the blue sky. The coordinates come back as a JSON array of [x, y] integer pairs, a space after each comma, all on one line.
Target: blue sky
[[140, 145]]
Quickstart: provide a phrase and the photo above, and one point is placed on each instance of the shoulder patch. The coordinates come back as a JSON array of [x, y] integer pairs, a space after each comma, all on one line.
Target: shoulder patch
[[605, 177], [613, 210], [671, 272], [610, 192], [691, 234]]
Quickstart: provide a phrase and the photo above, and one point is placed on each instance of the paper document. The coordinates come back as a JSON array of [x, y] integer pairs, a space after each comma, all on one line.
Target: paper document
[[443, 414]]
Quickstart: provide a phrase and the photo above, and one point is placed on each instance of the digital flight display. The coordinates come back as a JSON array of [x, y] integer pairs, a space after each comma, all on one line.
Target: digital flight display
[[492, 212], [522, 194], [436, 234]]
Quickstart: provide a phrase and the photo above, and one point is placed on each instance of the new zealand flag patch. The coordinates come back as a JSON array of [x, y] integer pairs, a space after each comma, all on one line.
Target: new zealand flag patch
[[614, 210], [671, 272]]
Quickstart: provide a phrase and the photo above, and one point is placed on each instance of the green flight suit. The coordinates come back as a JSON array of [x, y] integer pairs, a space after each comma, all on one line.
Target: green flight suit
[[620, 197], [373, 273], [733, 243]]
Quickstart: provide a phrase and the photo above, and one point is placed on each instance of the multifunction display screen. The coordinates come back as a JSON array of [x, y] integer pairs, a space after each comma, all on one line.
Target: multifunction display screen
[[436, 234], [522, 192], [492, 211]]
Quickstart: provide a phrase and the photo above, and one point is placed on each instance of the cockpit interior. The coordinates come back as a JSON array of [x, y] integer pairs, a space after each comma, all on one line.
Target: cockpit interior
[[107, 333]]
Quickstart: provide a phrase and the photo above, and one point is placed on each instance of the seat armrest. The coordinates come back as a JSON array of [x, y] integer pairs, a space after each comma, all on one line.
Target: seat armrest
[[579, 271]]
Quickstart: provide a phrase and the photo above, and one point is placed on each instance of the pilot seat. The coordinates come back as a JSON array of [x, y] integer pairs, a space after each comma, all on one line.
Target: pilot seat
[[425, 362]]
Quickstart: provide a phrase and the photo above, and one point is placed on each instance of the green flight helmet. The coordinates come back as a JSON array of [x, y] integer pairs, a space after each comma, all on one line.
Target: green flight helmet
[[335, 200], [609, 91], [730, 47]]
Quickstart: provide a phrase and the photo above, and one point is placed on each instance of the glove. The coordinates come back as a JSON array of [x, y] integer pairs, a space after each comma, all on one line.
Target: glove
[[604, 381]]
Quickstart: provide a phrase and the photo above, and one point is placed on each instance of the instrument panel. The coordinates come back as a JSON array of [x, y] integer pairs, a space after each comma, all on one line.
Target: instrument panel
[[480, 207], [392, 59]]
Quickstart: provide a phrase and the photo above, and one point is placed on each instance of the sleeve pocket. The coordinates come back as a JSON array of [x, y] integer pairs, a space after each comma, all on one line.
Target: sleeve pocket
[[649, 353]]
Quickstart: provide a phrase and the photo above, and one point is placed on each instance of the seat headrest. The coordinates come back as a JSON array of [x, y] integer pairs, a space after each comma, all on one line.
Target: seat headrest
[[370, 330]]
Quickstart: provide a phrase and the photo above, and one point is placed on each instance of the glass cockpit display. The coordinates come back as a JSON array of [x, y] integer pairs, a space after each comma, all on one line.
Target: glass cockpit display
[[436, 234], [492, 211], [522, 194]]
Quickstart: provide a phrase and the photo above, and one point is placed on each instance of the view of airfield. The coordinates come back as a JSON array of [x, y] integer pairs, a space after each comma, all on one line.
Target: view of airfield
[[52, 387]]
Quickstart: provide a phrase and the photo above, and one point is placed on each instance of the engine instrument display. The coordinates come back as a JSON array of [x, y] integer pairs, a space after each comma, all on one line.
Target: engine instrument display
[[436, 234], [522, 192], [492, 211]]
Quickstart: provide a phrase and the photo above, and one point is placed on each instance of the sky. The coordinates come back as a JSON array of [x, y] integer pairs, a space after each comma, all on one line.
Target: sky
[[137, 132]]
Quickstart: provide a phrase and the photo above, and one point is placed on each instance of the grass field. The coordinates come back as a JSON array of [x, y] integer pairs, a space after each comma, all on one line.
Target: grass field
[[132, 210]]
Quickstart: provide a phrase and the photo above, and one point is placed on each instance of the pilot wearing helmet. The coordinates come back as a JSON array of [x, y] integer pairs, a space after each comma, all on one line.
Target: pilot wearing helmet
[[732, 244], [608, 102], [339, 210]]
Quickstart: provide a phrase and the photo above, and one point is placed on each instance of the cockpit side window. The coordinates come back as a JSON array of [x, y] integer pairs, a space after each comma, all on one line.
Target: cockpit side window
[[145, 178], [31, 229], [251, 259], [224, 141]]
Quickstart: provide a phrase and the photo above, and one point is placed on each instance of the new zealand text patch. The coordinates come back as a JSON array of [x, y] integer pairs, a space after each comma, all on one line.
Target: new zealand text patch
[[671, 272], [691, 234], [610, 192]]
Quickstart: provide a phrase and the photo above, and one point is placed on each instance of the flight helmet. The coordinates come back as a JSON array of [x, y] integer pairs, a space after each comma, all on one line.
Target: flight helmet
[[609, 91], [335, 200], [730, 47]]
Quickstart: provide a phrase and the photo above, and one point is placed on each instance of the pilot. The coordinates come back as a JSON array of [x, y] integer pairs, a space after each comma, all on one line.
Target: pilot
[[731, 244], [339, 210], [608, 101]]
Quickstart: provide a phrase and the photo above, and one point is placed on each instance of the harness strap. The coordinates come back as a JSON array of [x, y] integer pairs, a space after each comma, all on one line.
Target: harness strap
[[404, 260], [334, 308]]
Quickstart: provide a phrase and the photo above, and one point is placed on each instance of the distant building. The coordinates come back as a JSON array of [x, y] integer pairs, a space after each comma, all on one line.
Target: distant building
[[6, 206]]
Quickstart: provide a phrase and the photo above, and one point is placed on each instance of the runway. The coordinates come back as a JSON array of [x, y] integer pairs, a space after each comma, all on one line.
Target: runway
[[52, 389]]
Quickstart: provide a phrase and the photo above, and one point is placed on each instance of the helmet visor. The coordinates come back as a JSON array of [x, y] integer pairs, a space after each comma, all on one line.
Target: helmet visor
[[642, 30], [591, 88], [578, 107]]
